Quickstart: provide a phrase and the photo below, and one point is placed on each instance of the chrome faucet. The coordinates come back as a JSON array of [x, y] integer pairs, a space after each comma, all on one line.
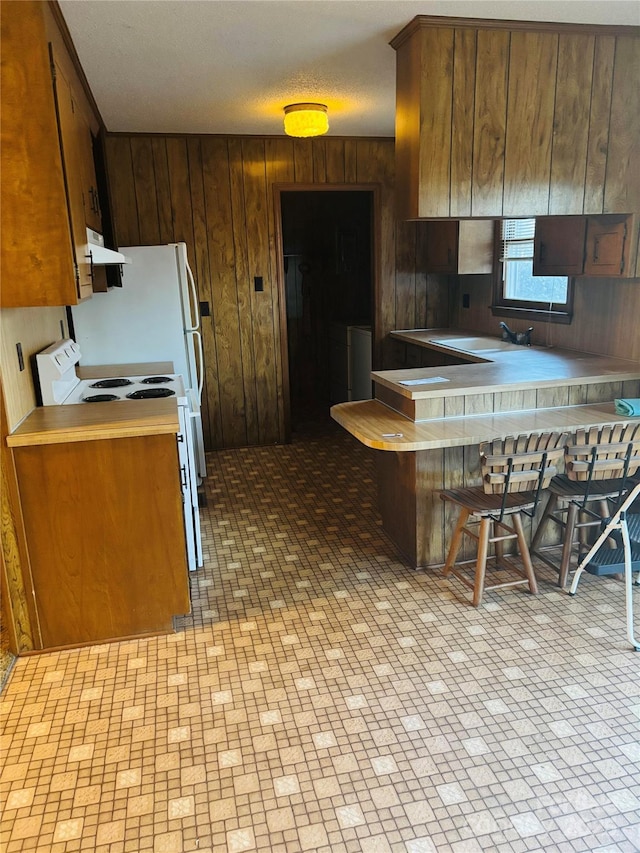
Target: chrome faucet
[[522, 338]]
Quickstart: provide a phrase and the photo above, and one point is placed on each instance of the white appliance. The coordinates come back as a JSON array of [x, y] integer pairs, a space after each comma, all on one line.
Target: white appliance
[[154, 316], [59, 385], [349, 362]]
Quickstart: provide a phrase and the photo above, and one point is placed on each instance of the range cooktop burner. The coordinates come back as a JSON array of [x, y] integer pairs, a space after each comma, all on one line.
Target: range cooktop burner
[[100, 398], [146, 393], [156, 380], [111, 383]]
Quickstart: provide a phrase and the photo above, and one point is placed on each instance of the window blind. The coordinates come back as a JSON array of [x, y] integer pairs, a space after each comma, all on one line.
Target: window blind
[[517, 239]]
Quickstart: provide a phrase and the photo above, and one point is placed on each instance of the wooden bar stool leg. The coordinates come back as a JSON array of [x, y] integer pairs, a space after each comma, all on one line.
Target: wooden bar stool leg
[[456, 541], [481, 563], [567, 545], [546, 515], [524, 553]]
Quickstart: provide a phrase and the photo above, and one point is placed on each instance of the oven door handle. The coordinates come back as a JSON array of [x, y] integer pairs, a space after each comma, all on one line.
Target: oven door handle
[[200, 365]]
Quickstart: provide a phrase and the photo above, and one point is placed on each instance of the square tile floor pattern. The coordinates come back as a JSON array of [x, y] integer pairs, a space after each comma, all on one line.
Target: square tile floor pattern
[[324, 696]]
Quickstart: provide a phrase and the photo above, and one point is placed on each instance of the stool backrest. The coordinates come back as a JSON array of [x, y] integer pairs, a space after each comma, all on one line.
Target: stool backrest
[[524, 463], [603, 453]]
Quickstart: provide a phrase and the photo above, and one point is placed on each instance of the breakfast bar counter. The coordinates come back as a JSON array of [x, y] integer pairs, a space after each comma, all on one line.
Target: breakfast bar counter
[[429, 421]]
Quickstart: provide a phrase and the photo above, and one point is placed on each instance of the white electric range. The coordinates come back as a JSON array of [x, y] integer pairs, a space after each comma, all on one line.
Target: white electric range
[[60, 385]]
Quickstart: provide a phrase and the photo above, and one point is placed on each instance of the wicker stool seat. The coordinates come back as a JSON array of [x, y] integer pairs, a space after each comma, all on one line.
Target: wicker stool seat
[[514, 472]]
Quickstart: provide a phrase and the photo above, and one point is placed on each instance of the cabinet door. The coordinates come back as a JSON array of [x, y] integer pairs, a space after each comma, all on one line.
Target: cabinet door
[[71, 139], [559, 245], [37, 261], [607, 246], [92, 213], [442, 247]]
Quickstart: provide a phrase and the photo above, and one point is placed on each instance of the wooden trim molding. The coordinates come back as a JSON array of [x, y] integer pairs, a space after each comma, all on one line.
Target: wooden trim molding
[[421, 22], [20, 606]]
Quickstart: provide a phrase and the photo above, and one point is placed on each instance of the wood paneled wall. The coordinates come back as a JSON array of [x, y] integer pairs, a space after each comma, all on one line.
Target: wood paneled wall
[[216, 194], [605, 316]]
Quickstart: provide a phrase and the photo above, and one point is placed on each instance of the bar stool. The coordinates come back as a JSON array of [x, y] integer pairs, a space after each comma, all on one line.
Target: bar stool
[[599, 465], [514, 473]]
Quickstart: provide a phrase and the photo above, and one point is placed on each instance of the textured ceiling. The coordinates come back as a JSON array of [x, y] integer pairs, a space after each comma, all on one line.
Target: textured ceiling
[[230, 66]]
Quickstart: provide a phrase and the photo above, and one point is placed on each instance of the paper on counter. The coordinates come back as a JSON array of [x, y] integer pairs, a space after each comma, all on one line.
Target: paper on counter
[[433, 380]]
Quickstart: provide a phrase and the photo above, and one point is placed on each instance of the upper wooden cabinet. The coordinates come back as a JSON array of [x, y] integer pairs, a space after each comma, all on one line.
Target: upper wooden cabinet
[[37, 259], [584, 245], [459, 248], [79, 170], [504, 119]]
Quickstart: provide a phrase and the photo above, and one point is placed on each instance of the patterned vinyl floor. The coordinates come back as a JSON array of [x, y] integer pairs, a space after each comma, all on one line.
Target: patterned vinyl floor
[[324, 696]]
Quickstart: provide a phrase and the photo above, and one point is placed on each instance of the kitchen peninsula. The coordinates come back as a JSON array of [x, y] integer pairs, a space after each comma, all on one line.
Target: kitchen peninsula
[[430, 421]]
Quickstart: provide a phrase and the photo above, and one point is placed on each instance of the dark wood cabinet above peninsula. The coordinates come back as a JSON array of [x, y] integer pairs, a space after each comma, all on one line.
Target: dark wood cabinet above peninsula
[[459, 247], [513, 118], [584, 245]]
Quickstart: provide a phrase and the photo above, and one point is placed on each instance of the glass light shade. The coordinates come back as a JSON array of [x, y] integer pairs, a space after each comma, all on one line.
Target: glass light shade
[[306, 120]]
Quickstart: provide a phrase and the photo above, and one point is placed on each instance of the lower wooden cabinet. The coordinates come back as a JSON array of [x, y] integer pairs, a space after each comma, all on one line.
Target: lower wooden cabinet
[[105, 535], [584, 245]]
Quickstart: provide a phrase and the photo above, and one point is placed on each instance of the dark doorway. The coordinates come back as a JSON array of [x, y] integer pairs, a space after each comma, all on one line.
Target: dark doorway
[[327, 248]]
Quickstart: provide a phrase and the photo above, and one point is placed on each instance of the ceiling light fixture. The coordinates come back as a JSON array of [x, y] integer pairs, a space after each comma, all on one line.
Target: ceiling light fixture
[[305, 120]]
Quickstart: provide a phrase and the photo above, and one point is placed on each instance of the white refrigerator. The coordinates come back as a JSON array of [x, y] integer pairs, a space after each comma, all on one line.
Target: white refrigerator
[[154, 316]]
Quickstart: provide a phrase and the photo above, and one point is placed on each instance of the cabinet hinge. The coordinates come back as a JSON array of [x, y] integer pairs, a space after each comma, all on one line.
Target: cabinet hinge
[[624, 240]]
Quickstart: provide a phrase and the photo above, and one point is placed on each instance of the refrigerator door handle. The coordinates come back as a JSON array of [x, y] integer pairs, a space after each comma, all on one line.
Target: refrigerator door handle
[[200, 371], [193, 303]]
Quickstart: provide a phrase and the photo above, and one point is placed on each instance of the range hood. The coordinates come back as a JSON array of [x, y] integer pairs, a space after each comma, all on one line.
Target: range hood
[[99, 254]]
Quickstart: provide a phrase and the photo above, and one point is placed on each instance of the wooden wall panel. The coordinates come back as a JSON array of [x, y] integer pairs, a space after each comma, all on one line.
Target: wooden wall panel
[[464, 77], [123, 190], [217, 195], [489, 121], [144, 181], [405, 280], [256, 199], [376, 166], [241, 221], [571, 124], [335, 162], [223, 378], [527, 161], [598, 143], [163, 189], [435, 122], [622, 186]]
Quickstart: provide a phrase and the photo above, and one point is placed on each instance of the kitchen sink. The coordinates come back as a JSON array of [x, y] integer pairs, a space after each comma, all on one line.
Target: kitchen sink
[[472, 344]]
